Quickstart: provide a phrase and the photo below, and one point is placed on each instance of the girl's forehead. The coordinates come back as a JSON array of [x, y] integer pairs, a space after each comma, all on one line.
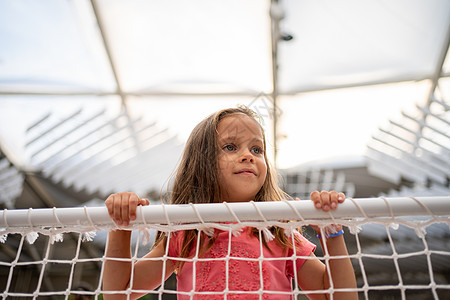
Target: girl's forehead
[[239, 125]]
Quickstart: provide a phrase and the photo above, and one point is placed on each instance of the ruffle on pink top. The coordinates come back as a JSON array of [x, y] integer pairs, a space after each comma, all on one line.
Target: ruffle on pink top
[[244, 274]]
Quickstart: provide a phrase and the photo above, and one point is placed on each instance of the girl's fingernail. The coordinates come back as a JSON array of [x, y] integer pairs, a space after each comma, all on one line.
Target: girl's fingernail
[[318, 205], [326, 207], [333, 205]]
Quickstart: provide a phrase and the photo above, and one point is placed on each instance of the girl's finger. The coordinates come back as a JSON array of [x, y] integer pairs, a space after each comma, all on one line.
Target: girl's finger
[[315, 197], [133, 203], [325, 199], [144, 202], [341, 197], [125, 209], [333, 199], [117, 206]]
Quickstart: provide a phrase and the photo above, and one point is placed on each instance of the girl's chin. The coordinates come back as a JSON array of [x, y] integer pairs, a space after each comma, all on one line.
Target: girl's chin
[[240, 193], [239, 199]]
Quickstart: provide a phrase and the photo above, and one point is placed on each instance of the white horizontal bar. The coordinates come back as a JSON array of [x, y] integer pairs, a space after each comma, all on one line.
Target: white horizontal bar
[[218, 212]]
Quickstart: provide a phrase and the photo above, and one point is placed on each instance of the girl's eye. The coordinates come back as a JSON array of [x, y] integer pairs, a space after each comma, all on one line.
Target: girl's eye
[[229, 148], [257, 150]]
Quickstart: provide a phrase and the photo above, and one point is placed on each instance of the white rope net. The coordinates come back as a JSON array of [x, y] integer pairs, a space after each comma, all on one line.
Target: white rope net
[[399, 247]]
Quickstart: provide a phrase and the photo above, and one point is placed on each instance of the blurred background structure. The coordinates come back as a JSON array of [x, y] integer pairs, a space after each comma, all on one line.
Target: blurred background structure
[[99, 96]]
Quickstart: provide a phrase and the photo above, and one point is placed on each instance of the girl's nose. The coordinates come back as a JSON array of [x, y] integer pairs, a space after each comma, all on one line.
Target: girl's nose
[[246, 156]]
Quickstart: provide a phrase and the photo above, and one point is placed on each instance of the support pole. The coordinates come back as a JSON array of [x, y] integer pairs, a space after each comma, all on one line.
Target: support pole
[[14, 221]]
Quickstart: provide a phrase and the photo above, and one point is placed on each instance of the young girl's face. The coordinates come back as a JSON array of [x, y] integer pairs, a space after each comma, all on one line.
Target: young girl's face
[[242, 166]]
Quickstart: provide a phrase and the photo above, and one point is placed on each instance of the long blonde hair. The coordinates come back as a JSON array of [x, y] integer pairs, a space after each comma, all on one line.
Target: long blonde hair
[[197, 181]]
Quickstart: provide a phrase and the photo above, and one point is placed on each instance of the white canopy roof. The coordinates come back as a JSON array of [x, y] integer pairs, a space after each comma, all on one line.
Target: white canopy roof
[[349, 67]]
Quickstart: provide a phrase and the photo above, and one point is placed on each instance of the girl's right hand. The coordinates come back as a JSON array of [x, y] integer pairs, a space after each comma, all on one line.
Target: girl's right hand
[[122, 207]]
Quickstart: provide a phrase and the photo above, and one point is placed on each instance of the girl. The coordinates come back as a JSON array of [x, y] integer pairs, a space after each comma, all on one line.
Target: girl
[[225, 160]]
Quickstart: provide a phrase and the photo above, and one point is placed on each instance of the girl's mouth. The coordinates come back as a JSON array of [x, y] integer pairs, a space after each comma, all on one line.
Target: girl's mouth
[[246, 171]]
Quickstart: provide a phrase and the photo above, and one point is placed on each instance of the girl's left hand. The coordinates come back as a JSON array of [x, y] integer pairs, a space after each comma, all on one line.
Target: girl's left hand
[[327, 200]]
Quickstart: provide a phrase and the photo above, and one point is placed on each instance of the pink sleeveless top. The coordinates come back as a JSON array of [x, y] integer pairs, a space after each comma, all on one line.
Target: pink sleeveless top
[[272, 276]]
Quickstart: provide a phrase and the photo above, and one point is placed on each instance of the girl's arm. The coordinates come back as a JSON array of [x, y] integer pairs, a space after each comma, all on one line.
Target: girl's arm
[[314, 274], [117, 274]]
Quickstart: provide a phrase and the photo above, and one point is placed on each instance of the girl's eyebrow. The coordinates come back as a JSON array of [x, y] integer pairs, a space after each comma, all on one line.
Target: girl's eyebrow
[[227, 139], [257, 139], [234, 138]]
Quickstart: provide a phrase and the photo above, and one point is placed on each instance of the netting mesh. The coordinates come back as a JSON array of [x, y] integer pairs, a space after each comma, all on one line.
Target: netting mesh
[[399, 248]]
